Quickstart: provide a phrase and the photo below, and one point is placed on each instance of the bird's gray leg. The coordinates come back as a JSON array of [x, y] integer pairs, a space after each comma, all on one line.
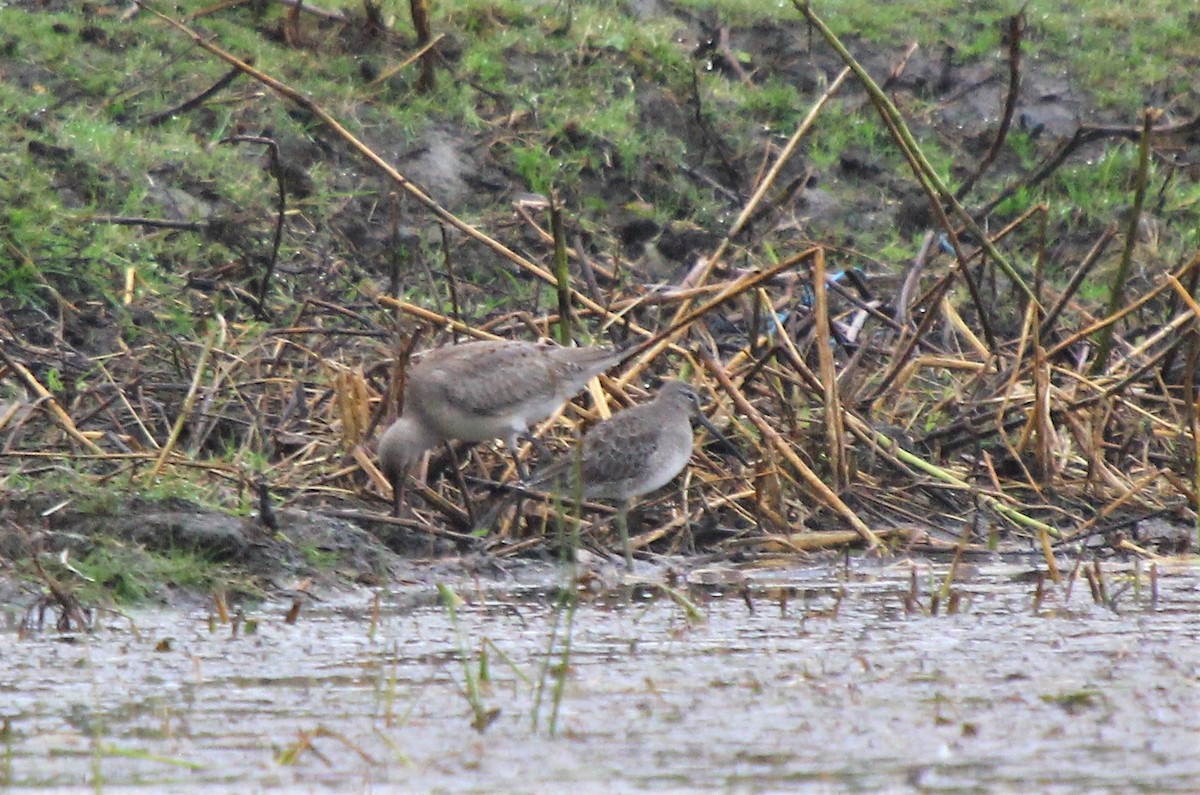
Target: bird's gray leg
[[622, 521], [397, 492], [511, 444], [522, 473], [543, 451], [462, 484]]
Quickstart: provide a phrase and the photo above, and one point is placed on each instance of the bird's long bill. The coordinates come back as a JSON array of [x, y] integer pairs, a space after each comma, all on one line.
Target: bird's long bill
[[722, 437]]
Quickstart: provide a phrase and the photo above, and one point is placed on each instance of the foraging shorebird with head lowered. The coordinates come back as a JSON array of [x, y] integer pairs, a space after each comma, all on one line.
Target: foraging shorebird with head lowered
[[634, 452], [483, 390]]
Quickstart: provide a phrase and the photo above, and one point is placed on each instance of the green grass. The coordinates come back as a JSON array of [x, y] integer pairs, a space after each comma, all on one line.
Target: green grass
[[131, 575], [319, 558], [540, 59], [1148, 48]]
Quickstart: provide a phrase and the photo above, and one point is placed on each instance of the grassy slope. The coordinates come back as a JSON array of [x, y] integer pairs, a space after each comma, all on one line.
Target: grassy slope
[[86, 84]]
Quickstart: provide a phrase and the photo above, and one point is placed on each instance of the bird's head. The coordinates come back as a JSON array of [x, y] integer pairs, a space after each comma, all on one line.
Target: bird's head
[[401, 446]]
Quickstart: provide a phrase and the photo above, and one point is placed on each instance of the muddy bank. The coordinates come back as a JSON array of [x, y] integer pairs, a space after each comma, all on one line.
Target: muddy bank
[[332, 548], [328, 548]]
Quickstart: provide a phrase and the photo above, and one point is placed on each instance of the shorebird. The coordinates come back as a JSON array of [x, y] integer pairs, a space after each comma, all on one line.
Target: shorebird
[[483, 390], [634, 452]]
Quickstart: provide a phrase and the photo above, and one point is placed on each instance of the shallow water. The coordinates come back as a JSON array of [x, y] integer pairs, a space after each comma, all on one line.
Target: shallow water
[[839, 688]]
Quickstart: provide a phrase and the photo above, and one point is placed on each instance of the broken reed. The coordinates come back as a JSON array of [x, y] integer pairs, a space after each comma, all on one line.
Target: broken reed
[[897, 413]]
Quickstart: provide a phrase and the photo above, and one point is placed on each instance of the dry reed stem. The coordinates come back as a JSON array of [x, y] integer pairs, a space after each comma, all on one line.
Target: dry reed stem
[[1117, 285], [389, 72], [785, 154], [817, 540], [818, 488], [710, 262], [1114, 505], [656, 344], [1138, 303], [350, 139], [573, 252], [216, 338], [901, 357], [956, 322], [926, 175], [56, 411], [1005, 510], [835, 433]]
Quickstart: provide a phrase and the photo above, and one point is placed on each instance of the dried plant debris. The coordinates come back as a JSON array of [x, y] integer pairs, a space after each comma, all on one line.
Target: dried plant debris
[[961, 400]]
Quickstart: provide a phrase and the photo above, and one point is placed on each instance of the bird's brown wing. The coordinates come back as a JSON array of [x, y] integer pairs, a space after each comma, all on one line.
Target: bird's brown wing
[[485, 378], [615, 453]]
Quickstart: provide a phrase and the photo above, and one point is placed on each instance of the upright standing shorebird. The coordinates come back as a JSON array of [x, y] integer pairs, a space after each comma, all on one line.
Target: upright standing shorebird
[[634, 452], [480, 391]]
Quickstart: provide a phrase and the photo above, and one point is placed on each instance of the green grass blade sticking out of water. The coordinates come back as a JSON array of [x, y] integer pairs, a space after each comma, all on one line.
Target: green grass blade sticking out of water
[[568, 602], [535, 713], [482, 717], [137, 753], [6, 760], [565, 605], [1116, 288], [562, 273]]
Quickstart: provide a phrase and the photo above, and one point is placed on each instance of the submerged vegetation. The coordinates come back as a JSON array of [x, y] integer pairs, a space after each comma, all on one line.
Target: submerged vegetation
[[948, 301]]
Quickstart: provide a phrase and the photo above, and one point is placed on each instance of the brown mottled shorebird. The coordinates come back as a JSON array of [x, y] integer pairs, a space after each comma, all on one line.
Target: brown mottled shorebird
[[483, 390], [634, 452]]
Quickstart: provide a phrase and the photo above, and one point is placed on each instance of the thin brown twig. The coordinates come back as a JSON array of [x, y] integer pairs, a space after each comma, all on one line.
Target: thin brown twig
[[411, 188], [785, 451], [1016, 29]]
